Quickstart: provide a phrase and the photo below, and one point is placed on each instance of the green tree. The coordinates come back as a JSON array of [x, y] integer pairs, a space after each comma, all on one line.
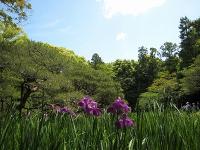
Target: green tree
[[96, 61], [164, 89], [14, 10], [147, 68], [170, 51], [191, 80], [125, 74], [189, 35], [34, 73]]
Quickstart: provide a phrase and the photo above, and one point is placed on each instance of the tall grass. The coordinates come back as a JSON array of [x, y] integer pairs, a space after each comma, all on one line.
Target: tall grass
[[153, 130]]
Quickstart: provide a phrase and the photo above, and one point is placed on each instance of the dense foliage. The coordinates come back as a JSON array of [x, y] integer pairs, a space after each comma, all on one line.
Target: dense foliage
[[42, 73], [14, 10], [170, 74]]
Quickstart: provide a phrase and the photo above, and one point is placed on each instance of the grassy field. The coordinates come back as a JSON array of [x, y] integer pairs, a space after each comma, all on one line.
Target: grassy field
[[154, 130]]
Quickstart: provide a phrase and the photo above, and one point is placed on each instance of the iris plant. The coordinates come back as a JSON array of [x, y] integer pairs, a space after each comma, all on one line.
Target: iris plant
[[118, 107], [89, 106], [124, 122]]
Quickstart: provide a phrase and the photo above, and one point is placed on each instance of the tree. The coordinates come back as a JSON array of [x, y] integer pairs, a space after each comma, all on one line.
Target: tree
[[189, 35], [142, 53], [34, 73], [147, 68], [163, 90], [191, 80], [135, 77], [14, 10], [170, 51], [124, 71], [153, 52], [96, 61]]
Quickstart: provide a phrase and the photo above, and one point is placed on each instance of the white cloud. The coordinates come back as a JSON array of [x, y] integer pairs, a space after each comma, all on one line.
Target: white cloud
[[128, 7], [121, 36]]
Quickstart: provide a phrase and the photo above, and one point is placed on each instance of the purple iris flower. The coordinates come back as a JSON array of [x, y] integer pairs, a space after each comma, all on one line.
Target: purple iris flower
[[65, 110], [124, 122], [89, 106], [94, 111], [83, 102], [118, 107]]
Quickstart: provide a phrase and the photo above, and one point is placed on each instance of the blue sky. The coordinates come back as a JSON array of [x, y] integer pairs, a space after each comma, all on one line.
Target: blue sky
[[112, 28]]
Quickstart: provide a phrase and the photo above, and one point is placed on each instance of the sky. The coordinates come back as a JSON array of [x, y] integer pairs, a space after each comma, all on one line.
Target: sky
[[114, 29]]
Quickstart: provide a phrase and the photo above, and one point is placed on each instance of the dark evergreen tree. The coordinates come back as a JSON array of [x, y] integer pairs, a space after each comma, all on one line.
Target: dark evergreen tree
[[96, 61], [189, 35]]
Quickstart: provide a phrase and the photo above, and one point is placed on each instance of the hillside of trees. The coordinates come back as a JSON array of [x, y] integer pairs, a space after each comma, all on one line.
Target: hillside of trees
[[34, 74], [168, 74]]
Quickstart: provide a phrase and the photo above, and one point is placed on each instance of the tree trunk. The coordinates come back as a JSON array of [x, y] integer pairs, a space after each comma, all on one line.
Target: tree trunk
[[2, 104], [25, 93]]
